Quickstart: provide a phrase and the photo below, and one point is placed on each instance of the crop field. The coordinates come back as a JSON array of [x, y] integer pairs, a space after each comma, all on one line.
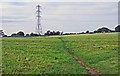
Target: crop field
[[53, 54]]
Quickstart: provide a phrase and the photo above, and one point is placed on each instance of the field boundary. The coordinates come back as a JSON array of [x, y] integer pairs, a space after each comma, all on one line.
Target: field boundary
[[88, 68]]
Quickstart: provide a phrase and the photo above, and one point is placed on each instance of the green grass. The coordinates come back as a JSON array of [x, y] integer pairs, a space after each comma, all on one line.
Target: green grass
[[38, 55], [47, 55], [99, 51]]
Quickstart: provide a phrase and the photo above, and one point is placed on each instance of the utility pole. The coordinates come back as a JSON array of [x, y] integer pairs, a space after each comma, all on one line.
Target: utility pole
[[39, 27]]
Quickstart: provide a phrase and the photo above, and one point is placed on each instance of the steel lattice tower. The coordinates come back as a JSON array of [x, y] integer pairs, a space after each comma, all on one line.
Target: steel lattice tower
[[39, 27]]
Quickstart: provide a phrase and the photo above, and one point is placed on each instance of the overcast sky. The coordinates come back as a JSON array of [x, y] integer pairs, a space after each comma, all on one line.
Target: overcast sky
[[62, 16]]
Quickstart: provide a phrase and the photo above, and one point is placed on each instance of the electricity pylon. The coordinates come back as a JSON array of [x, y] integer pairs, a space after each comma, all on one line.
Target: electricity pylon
[[39, 27]]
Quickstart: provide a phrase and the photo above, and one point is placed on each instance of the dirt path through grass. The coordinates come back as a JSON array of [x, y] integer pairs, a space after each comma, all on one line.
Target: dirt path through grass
[[88, 68]]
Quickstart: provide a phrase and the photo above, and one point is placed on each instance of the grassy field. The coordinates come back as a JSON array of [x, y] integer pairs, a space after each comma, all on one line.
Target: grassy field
[[99, 51], [49, 55]]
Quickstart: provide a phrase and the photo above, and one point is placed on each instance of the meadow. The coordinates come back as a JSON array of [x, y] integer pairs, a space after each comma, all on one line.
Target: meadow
[[53, 54]]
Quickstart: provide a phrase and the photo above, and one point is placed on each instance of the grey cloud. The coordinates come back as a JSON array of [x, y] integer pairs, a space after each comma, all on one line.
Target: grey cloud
[[13, 17], [12, 21], [18, 3]]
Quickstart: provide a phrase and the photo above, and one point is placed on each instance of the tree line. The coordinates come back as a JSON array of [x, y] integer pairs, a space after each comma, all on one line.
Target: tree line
[[50, 33], [22, 34]]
